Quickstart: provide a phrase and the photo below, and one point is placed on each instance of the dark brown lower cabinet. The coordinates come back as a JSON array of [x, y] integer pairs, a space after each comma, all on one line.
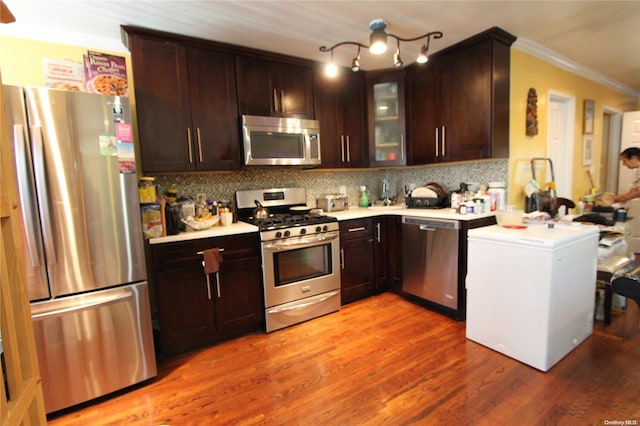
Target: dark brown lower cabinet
[[356, 259], [195, 311]]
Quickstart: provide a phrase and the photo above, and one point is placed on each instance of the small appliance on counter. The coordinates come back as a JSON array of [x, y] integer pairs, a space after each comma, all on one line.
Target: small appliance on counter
[[430, 196], [332, 202]]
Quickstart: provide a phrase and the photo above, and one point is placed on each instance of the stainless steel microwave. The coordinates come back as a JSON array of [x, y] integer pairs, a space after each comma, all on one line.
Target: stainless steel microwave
[[278, 141]]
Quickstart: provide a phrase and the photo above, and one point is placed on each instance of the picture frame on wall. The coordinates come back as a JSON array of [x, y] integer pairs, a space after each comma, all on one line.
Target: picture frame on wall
[[587, 150], [589, 107]]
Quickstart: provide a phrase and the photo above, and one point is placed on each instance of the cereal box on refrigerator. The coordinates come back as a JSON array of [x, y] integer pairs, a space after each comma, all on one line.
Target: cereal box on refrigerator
[[106, 74], [63, 74]]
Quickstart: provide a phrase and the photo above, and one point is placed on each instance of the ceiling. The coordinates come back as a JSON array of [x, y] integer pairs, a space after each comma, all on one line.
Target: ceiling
[[598, 39]]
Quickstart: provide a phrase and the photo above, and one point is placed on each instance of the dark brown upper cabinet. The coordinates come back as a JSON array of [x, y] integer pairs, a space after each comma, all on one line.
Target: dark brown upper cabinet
[[459, 102], [271, 88], [340, 106], [386, 105], [186, 106]]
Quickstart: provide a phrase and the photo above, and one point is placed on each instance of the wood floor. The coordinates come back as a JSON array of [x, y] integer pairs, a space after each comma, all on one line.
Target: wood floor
[[382, 360]]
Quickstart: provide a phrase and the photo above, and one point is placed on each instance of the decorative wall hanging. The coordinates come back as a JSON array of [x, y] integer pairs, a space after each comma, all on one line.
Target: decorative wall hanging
[[532, 113], [587, 150], [589, 106]]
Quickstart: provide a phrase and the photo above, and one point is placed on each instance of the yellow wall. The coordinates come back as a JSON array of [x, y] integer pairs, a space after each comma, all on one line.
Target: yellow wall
[[530, 72], [21, 59]]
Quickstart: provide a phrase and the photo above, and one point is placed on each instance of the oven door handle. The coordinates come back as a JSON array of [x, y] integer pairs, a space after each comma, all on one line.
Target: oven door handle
[[303, 305], [280, 246]]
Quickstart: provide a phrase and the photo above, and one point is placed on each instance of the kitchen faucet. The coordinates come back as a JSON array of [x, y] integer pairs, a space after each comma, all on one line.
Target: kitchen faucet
[[385, 193]]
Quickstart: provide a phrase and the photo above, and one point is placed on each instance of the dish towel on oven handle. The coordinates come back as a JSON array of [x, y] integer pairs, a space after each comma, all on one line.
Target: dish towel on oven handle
[[212, 258]]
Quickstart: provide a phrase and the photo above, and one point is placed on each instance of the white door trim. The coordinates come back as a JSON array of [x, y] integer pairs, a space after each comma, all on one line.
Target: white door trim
[[615, 134]]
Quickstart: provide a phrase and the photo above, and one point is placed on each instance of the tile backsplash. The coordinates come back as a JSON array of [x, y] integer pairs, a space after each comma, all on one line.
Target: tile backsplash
[[223, 185]]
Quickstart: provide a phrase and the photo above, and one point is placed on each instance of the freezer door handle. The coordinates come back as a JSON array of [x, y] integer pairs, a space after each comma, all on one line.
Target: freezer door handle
[[100, 301], [27, 200], [43, 198]]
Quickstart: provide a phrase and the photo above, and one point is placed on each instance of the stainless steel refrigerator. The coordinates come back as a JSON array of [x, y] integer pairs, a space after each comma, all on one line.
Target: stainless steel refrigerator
[[83, 244]]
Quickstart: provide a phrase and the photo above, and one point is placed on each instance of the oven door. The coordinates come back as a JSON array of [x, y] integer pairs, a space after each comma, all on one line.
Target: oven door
[[300, 267]]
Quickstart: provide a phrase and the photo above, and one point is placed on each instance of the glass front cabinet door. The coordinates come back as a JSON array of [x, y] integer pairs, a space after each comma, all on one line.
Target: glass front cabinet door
[[387, 121]]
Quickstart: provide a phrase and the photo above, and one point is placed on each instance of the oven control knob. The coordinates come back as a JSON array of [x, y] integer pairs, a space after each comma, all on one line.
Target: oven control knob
[[278, 234], [325, 228], [287, 233], [318, 229], [303, 231]]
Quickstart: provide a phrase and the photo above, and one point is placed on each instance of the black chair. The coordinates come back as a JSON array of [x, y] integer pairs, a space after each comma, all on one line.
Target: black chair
[[628, 285]]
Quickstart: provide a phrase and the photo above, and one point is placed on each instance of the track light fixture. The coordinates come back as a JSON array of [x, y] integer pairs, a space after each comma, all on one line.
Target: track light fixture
[[355, 65], [378, 45]]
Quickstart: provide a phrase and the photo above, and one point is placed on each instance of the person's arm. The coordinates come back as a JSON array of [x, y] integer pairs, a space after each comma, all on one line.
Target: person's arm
[[629, 195]]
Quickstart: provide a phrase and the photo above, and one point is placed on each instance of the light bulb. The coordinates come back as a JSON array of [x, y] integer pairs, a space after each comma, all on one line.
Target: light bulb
[[331, 69], [422, 57]]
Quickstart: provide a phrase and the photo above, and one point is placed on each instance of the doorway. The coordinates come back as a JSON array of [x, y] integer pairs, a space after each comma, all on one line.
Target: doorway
[[609, 155], [560, 136]]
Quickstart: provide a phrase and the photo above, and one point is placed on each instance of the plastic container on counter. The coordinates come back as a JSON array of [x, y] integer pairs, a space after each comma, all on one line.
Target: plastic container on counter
[[497, 191]]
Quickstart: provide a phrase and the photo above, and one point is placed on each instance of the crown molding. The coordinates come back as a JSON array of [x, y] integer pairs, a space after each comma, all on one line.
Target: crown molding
[[560, 61]]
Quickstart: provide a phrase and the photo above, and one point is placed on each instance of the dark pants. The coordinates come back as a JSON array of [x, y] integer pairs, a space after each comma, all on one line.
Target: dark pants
[[627, 287]]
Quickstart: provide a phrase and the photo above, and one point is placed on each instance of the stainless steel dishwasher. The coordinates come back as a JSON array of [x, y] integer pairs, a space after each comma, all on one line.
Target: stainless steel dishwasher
[[430, 259]]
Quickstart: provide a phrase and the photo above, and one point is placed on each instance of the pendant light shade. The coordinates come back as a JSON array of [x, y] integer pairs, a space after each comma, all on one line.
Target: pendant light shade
[[378, 37]]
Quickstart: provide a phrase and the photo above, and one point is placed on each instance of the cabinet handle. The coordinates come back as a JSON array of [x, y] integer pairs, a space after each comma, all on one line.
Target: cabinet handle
[[378, 237], [444, 152], [348, 149], [402, 146], [218, 284], [342, 146], [276, 108], [437, 140], [362, 228], [189, 145], [208, 284], [199, 143], [282, 101], [201, 252], [342, 258]]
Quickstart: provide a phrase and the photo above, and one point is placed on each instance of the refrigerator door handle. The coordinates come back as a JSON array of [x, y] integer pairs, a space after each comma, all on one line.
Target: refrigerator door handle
[[43, 198], [101, 301], [26, 195]]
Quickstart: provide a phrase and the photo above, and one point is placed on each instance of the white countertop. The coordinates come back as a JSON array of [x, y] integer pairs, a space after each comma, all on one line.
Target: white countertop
[[358, 212], [352, 213], [216, 231]]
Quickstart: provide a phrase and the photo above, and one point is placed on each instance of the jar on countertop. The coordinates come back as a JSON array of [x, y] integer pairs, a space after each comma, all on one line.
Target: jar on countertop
[[147, 190], [497, 190]]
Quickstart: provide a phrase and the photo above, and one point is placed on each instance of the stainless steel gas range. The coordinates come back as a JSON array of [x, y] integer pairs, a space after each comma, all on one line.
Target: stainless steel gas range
[[300, 256]]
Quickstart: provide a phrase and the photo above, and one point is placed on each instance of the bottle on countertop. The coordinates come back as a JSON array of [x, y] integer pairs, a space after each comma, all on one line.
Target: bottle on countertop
[[364, 197], [172, 194]]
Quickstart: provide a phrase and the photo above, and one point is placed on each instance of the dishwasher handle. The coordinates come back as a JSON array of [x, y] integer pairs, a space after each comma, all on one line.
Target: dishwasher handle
[[428, 224]]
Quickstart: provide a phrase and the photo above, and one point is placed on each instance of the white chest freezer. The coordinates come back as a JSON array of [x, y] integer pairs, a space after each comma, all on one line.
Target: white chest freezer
[[531, 292]]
